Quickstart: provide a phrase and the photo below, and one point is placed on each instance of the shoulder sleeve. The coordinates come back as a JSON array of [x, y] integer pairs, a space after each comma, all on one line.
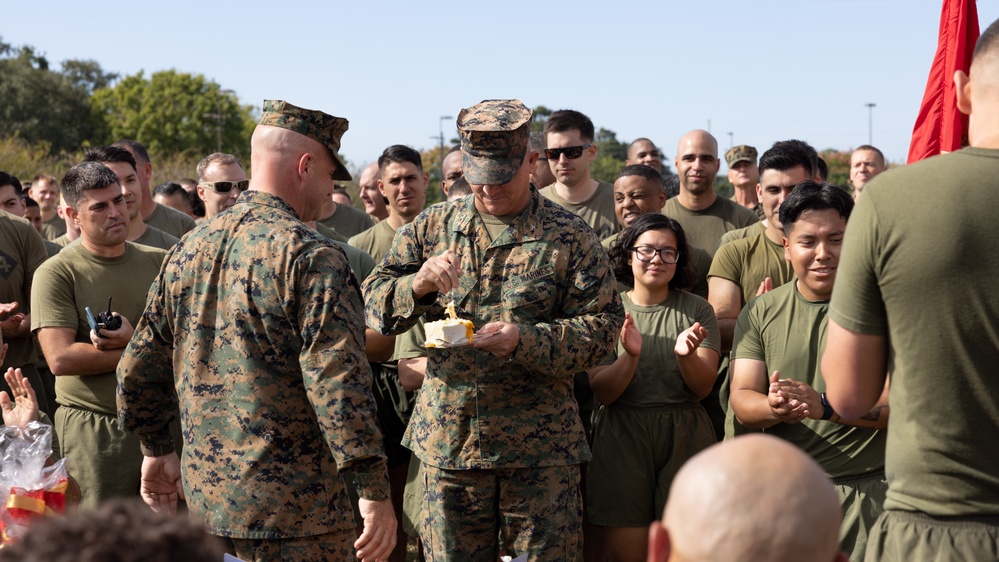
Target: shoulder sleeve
[[857, 303], [705, 314], [727, 263], [53, 301], [747, 343]]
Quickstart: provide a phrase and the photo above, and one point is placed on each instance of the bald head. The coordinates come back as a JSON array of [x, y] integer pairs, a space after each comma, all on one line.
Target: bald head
[[293, 167], [978, 91], [756, 497], [697, 165], [374, 201]]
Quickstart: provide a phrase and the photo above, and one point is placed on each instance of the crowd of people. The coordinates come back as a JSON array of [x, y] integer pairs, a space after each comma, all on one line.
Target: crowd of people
[[249, 353]]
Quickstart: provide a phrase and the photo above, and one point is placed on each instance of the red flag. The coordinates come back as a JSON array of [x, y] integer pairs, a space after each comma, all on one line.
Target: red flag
[[940, 127]]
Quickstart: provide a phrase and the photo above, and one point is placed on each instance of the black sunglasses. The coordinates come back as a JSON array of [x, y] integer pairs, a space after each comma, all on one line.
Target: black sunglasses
[[226, 186], [571, 152]]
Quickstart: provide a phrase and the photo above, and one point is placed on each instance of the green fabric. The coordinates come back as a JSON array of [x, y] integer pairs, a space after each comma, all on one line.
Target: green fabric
[[904, 536], [747, 262], [636, 454], [348, 221], [787, 332], [705, 228], [53, 228], [360, 262], [862, 500], [597, 211], [75, 279], [657, 379], [409, 344], [376, 241], [22, 252], [920, 267], [173, 222], [156, 238], [548, 275], [330, 233], [104, 460], [744, 232]]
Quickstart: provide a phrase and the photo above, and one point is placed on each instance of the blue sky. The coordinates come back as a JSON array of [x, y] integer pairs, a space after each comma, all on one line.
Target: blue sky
[[764, 70]]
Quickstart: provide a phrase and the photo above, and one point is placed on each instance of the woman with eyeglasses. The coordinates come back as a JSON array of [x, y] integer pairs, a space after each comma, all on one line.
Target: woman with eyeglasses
[[650, 421]]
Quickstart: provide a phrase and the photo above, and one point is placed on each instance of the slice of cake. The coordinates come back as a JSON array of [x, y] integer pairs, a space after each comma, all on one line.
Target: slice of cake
[[452, 331]]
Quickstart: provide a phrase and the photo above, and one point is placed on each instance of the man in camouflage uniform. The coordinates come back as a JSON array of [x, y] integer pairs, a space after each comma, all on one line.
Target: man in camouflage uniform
[[256, 320], [496, 425]]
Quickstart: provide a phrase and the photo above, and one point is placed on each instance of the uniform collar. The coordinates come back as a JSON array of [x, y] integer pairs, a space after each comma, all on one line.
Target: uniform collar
[[525, 228], [253, 197]]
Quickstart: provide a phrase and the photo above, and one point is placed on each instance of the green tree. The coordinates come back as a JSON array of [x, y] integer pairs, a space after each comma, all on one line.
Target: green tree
[[838, 162], [42, 106], [173, 112]]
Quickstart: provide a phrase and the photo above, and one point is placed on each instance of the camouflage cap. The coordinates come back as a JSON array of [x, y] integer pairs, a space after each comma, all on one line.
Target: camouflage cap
[[741, 153], [318, 126], [494, 137]]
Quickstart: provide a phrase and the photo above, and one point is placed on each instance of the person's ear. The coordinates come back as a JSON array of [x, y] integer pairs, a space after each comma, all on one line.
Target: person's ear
[[963, 86], [658, 543]]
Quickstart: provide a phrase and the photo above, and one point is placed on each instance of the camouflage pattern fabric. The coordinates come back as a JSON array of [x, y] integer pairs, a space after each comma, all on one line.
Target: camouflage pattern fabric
[[540, 513], [317, 548], [318, 126], [256, 320], [546, 273], [741, 153], [494, 138]]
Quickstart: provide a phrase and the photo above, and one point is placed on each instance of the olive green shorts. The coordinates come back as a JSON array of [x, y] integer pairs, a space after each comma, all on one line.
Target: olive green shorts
[[907, 536], [105, 460], [636, 454], [862, 499]]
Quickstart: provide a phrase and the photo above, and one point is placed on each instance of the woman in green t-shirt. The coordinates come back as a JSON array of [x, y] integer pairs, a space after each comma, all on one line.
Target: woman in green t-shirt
[[650, 421]]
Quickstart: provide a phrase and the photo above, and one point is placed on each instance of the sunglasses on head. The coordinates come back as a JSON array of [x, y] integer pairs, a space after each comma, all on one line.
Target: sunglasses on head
[[571, 152], [226, 186]]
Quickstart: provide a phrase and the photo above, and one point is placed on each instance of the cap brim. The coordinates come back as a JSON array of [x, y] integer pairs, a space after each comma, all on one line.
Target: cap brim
[[737, 160], [341, 172]]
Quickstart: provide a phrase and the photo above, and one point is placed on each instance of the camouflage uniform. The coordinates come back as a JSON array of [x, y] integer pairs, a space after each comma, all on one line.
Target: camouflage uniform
[[482, 414], [256, 320]]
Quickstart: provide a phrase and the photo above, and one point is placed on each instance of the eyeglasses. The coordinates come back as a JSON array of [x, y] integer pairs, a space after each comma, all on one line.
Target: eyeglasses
[[226, 186], [571, 152], [648, 253]]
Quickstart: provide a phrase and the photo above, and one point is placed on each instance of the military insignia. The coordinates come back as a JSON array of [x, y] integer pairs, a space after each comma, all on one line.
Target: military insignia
[[7, 265]]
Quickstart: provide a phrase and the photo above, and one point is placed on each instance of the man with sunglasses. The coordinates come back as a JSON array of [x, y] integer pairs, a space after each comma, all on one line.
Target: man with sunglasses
[[220, 181], [569, 135]]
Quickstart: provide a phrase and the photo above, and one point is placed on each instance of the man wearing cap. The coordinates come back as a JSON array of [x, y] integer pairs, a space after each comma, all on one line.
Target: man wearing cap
[[744, 175], [255, 320], [495, 424]]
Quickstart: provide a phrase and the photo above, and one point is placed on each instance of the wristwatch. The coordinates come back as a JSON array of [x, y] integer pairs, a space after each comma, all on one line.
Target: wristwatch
[[827, 410]]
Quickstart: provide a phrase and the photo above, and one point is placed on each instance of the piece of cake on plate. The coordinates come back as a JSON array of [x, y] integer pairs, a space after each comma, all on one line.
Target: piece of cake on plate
[[449, 332]]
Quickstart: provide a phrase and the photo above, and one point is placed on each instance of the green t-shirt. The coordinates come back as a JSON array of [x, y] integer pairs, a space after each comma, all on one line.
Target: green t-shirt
[[348, 221], [22, 252], [698, 256], [597, 211], [156, 238], [173, 222], [376, 241], [919, 267], [77, 278], [747, 262], [657, 379], [740, 233], [54, 228], [788, 333], [705, 228], [330, 233]]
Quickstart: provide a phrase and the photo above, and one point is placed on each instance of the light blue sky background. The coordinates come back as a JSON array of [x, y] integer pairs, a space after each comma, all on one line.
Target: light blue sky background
[[764, 70]]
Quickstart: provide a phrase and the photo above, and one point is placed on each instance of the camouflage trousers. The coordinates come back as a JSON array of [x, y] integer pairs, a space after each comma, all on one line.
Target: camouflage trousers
[[533, 511], [338, 545]]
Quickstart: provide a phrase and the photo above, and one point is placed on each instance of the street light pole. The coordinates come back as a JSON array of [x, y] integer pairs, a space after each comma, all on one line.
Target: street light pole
[[441, 123], [870, 123], [730, 142]]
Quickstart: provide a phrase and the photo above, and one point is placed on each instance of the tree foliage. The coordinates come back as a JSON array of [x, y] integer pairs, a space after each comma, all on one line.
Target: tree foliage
[[173, 112], [838, 162]]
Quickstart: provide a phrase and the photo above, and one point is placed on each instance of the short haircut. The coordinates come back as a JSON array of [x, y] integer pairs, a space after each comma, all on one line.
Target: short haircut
[[399, 153], [787, 155], [106, 154], [565, 120], [813, 196], [135, 147], [986, 41], [643, 171], [29, 203], [455, 148], [459, 188], [880, 154], [46, 178], [85, 176], [671, 185], [638, 140], [169, 189], [217, 158], [10, 179], [337, 188], [539, 143], [621, 253], [823, 170], [123, 530]]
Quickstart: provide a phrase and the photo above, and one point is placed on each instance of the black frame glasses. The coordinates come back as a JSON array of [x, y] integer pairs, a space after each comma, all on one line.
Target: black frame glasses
[[648, 253], [226, 186], [571, 152]]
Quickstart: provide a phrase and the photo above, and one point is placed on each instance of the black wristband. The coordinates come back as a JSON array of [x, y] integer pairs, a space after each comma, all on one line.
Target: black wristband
[[827, 410]]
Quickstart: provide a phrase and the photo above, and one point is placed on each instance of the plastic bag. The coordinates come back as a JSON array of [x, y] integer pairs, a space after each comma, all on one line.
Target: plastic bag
[[29, 488]]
